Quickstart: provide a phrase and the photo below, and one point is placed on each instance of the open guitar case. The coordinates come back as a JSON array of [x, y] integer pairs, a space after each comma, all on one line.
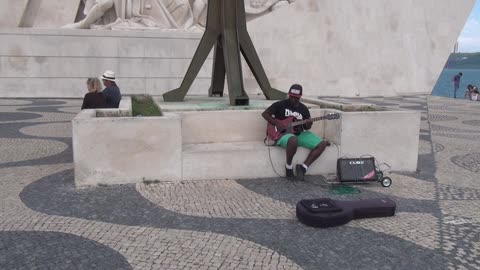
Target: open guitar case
[[325, 212]]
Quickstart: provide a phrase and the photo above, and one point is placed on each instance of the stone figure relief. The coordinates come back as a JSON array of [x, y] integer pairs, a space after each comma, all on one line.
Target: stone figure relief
[[158, 14], [132, 14], [253, 9]]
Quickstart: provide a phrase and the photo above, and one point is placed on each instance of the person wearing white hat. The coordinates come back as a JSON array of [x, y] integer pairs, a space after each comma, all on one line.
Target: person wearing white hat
[[111, 92]]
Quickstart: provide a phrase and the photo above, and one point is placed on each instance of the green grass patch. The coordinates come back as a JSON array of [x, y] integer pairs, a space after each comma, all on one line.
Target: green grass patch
[[149, 182], [343, 190], [143, 105]]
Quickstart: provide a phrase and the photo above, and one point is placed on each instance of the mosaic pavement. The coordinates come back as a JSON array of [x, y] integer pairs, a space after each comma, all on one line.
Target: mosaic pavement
[[45, 223]]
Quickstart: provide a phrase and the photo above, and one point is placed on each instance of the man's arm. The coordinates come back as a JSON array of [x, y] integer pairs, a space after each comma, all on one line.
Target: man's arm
[[267, 115], [308, 124]]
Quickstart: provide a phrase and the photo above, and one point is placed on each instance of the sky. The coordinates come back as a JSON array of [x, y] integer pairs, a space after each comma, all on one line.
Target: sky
[[469, 40]]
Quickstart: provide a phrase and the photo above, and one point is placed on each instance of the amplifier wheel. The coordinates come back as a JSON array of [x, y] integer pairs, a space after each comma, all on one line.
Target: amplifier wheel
[[386, 181]]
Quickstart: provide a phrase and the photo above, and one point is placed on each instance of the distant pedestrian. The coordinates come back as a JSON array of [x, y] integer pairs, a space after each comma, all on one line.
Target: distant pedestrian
[[475, 94], [456, 83], [111, 92], [468, 93]]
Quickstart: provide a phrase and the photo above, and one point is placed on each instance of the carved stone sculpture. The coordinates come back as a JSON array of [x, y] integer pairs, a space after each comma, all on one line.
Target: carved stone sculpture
[[253, 9], [158, 14], [131, 14]]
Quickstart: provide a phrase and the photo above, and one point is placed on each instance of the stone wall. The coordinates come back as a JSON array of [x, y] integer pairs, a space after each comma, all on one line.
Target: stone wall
[[11, 13], [333, 48], [53, 13], [57, 62], [37, 13], [359, 48]]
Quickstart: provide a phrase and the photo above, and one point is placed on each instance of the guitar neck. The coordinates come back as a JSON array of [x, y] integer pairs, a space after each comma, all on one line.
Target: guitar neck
[[297, 123]]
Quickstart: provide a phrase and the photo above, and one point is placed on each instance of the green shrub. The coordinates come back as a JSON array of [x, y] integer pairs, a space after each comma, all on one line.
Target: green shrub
[[143, 105]]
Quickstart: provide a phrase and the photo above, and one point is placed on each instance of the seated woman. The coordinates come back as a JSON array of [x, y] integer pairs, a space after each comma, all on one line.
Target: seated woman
[[468, 93], [475, 94], [94, 98]]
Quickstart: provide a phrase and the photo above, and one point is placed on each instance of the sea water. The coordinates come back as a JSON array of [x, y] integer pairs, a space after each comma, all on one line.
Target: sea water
[[444, 85]]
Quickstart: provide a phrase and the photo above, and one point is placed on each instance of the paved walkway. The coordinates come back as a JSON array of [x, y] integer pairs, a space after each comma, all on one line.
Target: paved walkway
[[45, 223]]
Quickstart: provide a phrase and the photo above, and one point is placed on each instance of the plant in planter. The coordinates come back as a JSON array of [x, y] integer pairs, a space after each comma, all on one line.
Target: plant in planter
[[143, 105]]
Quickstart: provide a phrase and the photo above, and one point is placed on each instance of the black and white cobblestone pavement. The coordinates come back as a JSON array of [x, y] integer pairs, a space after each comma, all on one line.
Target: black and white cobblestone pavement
[[45, 223]]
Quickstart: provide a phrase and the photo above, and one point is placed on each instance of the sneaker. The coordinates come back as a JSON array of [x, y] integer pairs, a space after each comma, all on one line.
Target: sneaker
[[300, 172], [289, 174]]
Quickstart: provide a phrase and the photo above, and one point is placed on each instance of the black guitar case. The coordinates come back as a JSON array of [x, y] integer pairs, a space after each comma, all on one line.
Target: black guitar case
[[325, 212]]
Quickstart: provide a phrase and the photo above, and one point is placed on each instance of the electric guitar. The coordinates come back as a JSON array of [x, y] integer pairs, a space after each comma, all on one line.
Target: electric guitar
[[274, 133]]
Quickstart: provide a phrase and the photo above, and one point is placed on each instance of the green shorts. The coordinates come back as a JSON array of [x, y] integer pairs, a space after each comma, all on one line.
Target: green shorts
[[306, 139]]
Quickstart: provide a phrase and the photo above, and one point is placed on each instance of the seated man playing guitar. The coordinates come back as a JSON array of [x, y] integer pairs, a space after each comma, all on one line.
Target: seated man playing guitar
[[280, 116]]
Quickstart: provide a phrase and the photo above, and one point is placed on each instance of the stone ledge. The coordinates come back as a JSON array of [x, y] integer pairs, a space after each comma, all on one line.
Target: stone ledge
[[242, 160], [184, 146]]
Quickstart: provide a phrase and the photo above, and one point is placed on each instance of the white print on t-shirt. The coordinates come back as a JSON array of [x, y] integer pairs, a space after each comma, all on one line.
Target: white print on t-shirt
[[297, 115]]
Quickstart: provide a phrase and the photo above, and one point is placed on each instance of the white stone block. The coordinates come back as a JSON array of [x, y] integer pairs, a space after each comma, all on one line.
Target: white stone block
[[57, 43], [126, 150], [231, 126], [11, 13], [158, 86], [181, 47], [390, 136], [55, 63], [171, 68], [228, 144], [243, 160], [55, 13], [348, 48], [333, 48]]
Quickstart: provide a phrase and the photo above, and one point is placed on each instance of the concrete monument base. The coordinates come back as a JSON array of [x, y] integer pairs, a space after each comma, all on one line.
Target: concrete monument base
[[333, 48], [202, 139]]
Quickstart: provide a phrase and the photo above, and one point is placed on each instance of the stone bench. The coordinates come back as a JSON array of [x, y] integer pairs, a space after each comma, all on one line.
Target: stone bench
[[246, 160], [228, 144], [233, 146]]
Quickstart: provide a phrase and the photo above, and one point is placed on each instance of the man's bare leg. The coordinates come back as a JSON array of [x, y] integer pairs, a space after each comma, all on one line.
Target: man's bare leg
[[312, 156], [292, 146], [316, 152]]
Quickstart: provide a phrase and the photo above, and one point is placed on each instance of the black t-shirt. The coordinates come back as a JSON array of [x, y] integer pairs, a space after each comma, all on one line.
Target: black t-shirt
[[284, 108], [93, 101]]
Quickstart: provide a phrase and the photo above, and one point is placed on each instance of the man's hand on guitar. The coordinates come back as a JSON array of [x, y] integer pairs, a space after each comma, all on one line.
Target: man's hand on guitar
[[280, 125], [308, 123]]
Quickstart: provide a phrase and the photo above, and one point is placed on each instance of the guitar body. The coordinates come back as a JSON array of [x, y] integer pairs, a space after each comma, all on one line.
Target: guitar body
[[274, 134], [292, 125]]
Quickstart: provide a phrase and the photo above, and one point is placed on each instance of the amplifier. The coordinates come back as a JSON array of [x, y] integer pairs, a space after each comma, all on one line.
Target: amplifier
[[356, 169]]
